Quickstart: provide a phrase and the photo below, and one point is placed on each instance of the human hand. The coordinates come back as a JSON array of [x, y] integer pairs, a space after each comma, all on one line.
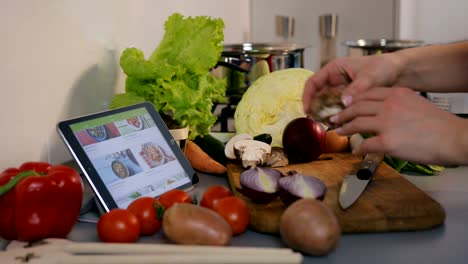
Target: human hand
[[352, 75], [405, 125]]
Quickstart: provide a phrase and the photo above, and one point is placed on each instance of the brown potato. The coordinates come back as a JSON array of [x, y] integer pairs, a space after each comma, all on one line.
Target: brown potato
[[190, 224], [310, 227]]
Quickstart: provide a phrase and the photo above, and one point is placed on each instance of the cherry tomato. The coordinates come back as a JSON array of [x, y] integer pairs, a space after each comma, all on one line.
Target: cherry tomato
[[172, 197], [235, 211], [118, 225], [212, 195], [149, 212]]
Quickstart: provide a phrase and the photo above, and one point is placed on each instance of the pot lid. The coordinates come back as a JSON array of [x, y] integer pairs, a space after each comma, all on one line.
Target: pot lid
[[383, 43], [263, 48]]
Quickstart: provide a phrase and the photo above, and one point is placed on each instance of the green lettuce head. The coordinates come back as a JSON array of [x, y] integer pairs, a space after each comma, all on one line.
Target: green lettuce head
[[176, 78]]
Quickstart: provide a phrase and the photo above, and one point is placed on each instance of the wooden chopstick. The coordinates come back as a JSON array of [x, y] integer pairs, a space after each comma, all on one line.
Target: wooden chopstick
[[126, 248], [156, 253], [182, 259]]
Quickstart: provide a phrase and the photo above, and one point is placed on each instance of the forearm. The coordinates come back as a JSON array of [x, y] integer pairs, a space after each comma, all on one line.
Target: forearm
[[436, 68]]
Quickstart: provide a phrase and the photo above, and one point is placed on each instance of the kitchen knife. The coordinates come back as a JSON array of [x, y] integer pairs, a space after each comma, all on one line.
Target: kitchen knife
[[353, 185]]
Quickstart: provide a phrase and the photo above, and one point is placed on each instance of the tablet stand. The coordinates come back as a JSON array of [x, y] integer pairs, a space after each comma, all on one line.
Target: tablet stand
[[91, 209]]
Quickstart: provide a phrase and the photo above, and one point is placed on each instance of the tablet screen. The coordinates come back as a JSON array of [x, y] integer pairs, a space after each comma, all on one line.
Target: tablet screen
[[129, 154]]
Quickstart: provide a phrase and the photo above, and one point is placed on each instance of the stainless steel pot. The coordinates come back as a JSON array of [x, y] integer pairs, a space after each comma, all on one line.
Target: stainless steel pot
[[279, 56], [243, 58], [363, 47]]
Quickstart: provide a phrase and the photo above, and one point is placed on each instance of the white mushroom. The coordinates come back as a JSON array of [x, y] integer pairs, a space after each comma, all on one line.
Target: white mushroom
[[327, 112], [326, 105], [252, 152], [229, 148]]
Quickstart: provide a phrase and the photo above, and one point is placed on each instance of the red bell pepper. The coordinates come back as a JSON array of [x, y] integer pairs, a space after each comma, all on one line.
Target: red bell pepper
[[38, 200]]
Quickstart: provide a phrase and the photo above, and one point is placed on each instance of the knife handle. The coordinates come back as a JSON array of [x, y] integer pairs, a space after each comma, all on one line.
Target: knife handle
[[369, 165]]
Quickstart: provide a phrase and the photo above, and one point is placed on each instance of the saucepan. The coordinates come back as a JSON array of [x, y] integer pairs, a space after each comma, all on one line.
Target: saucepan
[[363, 47], [243, 63]]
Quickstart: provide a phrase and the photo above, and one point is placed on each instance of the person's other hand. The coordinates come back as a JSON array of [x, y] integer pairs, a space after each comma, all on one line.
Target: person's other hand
[[405, 125], [353, 75]]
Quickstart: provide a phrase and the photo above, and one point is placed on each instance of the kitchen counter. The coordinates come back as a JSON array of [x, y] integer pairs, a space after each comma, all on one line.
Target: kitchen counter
[[444, 244]]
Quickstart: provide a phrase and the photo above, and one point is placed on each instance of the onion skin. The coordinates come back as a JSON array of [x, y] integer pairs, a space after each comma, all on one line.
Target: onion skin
[[260, 184], [295, 186], [256, 196], [304, 140]]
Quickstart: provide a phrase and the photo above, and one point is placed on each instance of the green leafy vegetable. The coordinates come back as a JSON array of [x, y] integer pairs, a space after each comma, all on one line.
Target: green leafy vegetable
[[395, 163], [176, 78], [423, 168]]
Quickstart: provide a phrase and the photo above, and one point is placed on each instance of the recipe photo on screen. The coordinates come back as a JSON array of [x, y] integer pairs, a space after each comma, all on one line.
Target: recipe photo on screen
[[130, 155]]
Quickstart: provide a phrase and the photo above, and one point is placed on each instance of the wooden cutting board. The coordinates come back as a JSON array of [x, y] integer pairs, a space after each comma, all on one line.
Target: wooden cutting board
[[389, 203]]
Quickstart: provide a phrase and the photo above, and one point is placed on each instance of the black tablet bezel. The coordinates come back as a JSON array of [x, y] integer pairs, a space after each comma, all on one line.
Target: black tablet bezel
[[100, 190]]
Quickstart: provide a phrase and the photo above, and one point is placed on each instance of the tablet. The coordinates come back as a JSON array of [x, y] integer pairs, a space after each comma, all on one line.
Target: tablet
[[127, 153]]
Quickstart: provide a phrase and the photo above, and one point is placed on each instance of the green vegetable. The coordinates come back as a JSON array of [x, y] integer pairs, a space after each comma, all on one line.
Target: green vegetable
[[235, 81], [264, 138], [213, 147], [176, 77], [258, 70], [271, 102], [395, 163], [423, 168]]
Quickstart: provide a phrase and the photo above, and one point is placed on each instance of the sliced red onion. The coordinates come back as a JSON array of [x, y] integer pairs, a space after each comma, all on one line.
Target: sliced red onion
[[260, 184], [295, 186]]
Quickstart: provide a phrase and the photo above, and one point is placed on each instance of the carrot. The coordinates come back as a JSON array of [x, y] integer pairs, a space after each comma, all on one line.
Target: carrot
[[200, 160]]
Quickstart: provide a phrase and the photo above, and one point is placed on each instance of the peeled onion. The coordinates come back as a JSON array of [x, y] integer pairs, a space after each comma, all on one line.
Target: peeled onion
[[336, 143], [295, 186], [260, 184], [304, 140]]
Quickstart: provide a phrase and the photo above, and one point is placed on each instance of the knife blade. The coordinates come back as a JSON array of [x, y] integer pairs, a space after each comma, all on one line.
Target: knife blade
[[353, 185]]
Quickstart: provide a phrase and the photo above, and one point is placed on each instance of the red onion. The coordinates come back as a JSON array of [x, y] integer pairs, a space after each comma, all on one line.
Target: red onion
[[260, 184], [304, 140], [295, 186]]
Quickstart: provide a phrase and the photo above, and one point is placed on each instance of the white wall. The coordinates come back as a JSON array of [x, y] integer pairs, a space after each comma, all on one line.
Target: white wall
[[356, 19], [59, 59], [433, 21]]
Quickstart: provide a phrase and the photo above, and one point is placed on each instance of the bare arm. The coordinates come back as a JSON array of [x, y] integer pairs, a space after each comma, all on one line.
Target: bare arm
[[436, 68], [406, 126]]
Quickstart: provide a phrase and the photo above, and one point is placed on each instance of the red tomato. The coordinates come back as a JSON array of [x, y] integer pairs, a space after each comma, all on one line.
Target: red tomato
[[212, 195], [172, 197], [118, 225], [235, 211], [149, 212]]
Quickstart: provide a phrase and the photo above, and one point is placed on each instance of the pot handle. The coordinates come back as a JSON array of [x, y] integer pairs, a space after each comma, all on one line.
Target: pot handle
[[230, 66]]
